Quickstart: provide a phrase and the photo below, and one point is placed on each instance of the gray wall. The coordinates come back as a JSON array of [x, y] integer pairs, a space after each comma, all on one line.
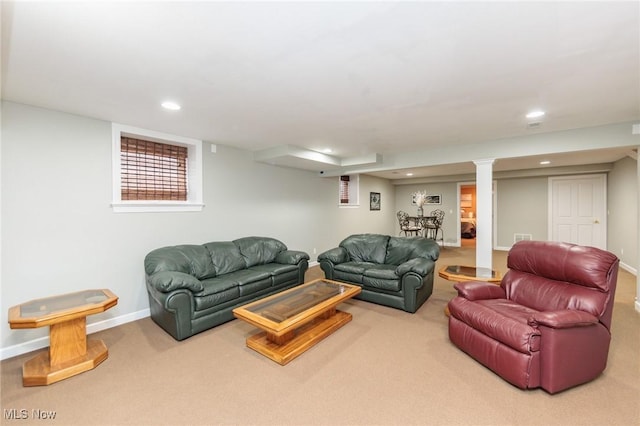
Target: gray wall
[[60, 235], [622, 206], [521, 209]]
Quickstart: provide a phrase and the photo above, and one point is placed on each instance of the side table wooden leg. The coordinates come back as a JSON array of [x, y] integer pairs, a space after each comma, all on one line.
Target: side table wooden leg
[[68, 341]]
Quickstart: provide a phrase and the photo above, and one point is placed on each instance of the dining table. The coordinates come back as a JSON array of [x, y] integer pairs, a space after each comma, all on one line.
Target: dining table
[[426, 223]]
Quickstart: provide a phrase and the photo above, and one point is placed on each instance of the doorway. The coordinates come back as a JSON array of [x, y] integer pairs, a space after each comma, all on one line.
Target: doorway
[[467, 217]]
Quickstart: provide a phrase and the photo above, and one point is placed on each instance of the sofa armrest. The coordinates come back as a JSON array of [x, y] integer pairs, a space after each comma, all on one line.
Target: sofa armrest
[[168, 281], [291, 257], [565, 318], [335, 255], [419, 265], [479, 290]]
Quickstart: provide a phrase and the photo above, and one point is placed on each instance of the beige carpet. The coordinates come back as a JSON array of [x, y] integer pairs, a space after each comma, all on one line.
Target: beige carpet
[[386, 367]]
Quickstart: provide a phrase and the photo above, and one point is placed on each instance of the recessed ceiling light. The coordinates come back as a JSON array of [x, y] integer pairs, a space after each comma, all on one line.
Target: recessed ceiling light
[[545, 162], [409, 174], [535, 114], [171, 105]]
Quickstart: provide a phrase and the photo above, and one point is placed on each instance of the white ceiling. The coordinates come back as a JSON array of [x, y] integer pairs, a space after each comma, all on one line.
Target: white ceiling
[[365, 79]]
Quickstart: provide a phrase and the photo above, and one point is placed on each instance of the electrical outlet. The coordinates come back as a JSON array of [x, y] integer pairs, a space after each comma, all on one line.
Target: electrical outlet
[[314, 250], [622, 251]]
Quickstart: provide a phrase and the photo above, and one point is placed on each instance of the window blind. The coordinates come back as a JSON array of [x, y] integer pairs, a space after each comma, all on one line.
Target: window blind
[[152, 170], [344, 189]]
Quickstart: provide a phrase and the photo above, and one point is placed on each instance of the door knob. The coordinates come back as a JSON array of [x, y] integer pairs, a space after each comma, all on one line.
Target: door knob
[[596, 221]]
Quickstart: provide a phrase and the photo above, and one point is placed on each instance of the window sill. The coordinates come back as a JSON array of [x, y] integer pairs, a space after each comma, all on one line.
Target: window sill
[[160, 207]]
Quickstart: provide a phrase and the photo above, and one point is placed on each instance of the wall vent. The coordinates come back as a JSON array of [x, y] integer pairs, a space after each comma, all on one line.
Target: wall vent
[[521, 237]]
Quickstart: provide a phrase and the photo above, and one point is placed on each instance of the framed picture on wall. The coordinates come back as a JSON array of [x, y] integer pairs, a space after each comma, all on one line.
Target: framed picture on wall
[[434, 199], [374, 201]]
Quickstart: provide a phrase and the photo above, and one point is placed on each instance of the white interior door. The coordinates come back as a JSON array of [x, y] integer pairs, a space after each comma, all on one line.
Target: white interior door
[[578, 207]]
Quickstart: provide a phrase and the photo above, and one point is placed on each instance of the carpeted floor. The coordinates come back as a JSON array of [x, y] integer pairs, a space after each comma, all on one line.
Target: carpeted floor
[[386, 367]]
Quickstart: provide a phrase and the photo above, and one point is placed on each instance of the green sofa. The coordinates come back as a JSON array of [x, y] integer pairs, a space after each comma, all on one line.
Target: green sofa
[[392, 271], [193, 288]]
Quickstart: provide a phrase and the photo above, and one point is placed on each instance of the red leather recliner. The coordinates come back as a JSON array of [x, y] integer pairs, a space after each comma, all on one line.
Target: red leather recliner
[[548, 323]]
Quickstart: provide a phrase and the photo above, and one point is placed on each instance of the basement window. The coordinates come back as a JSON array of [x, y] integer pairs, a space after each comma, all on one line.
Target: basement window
[[348, 191], [155, 172]]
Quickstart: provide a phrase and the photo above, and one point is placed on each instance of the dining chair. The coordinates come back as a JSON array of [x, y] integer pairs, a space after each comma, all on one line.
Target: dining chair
[[433, 227], [406, 226]]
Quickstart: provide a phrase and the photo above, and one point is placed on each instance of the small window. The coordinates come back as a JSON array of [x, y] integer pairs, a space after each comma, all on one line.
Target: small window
[[155, 171], [348, 191], [152, 170]]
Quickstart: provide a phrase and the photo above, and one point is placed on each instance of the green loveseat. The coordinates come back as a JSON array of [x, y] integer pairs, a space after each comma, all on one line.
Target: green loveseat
[[193, 288], [392, 271]]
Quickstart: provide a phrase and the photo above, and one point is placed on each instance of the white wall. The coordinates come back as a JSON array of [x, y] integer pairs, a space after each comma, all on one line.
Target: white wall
[[60, 235]]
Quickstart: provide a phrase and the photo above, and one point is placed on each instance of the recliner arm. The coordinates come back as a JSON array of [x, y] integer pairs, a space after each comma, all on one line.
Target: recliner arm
[[335, 255], [562, 319], [419, 265], [479, 290]]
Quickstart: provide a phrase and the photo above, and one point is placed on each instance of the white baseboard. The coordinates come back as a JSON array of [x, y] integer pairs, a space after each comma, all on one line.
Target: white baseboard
[[629, 268], [43, 342]]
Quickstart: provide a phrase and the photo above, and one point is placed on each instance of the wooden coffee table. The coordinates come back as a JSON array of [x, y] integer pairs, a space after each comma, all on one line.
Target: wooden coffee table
[[295, 320], [70, 351]]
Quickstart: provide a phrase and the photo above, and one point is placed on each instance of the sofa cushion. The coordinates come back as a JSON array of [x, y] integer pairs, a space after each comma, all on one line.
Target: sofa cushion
[[213, 299], [249, 281], [399, 250], [382, 277], [366, 247], [348, 277], [225, 256], [382, 284], [246, 276], [385, 272], [355, 267], [259, 250], [216, 285], [274, 268]]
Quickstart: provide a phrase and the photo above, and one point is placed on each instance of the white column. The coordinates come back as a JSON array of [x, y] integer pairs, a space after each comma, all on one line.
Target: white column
[[638, 231], [484, 213]]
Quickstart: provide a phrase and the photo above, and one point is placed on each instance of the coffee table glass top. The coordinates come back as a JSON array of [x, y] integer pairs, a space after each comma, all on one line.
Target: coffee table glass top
[[49, 305], [291, 303], [471, 271]]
